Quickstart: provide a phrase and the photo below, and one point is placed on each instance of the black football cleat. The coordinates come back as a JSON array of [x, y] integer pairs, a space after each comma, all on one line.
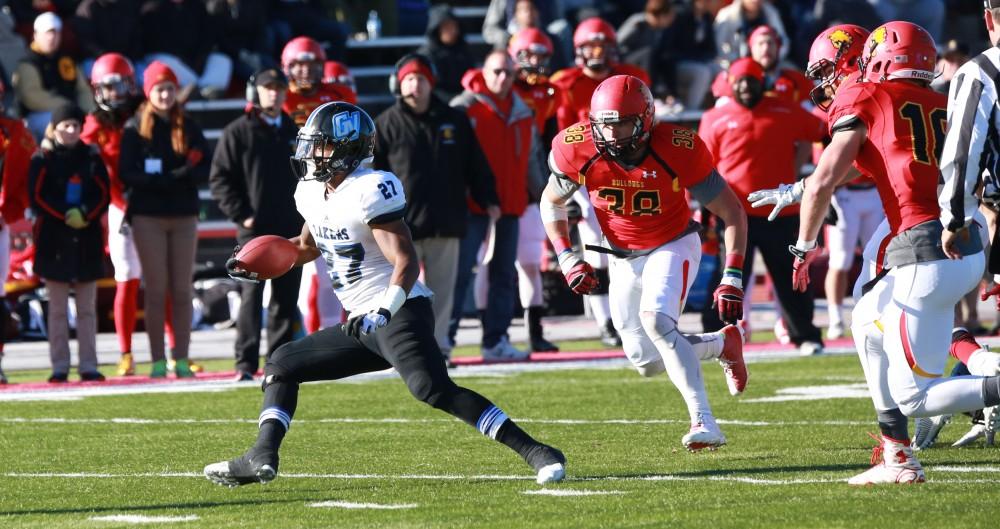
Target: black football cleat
[[255, 466]]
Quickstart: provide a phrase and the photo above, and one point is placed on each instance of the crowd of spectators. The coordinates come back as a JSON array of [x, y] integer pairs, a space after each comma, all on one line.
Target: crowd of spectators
[[178, 50]]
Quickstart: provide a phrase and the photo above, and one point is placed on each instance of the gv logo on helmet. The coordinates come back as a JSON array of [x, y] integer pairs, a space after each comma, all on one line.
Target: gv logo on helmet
[[346, 125]]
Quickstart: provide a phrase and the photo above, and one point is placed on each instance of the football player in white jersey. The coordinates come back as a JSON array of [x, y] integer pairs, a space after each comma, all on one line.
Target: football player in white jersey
[[354, 220]]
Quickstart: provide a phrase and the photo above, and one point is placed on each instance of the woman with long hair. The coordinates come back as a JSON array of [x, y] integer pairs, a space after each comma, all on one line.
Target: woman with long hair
[[162, 161]]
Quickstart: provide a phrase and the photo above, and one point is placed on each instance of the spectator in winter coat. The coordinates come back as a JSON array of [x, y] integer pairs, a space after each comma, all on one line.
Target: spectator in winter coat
[[180, 34], [162, 162], [48, 78], [447, 50], [69, 196], [505, 128], [735, 22], [433, 150], [255, 187], [108, 26]]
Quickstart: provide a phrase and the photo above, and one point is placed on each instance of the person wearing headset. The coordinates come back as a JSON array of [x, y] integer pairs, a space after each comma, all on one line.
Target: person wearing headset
[[253, 183], [433, 150]]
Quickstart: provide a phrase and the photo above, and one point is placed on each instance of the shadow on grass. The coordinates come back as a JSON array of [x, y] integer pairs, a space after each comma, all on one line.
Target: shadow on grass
[[157, 507]]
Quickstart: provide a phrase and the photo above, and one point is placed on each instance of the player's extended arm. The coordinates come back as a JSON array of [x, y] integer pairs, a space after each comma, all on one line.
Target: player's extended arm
[[728, 297], [580, 276], [308, 252], [788, 194], [834, 164], [394, 240]]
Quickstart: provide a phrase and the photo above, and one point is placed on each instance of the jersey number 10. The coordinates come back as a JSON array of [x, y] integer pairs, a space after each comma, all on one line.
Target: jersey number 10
[[920, 122]]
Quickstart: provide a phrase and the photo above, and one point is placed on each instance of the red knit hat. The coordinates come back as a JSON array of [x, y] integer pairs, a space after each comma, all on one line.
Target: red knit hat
[[416, 65], [745, 67], [156, 73]]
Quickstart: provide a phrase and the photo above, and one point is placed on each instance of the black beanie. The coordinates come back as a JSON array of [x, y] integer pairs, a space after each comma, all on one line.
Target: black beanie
[[65, 112]]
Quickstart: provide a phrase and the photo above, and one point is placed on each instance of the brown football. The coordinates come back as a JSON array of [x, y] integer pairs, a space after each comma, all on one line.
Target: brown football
[[268, 255]]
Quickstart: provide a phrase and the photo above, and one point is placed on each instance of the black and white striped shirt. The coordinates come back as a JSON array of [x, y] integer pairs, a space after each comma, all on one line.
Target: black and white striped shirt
[[972, 146]]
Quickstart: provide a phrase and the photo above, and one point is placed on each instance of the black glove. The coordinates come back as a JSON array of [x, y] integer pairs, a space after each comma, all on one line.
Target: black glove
[[237, 273], [367, 322]]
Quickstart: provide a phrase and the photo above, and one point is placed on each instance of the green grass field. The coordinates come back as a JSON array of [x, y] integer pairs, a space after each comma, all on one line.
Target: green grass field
[[358, 443]]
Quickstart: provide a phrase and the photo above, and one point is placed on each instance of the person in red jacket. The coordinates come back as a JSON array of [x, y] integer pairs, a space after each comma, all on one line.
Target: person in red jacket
[[753, 140], [596, 49], [16, 147], [505, 128], [302, 61], [788, 84]]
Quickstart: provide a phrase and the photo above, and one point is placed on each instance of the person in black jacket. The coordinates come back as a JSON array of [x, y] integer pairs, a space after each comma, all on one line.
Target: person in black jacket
[[254, 185], [162, 161], [448, 51], [433, 150], [69, 192]]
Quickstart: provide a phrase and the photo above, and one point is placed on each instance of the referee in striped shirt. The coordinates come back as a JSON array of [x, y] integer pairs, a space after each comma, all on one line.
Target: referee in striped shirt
[[971, 153]]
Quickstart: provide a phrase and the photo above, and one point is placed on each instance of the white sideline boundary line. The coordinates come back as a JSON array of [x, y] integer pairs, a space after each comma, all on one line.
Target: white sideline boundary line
[[510, 477], [139, 519], [353, 505], [357, 420]]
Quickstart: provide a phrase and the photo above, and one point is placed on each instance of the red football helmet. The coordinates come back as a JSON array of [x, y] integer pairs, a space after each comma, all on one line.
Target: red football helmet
[[335, 72], [618, 99], [595, 44], [303, 50], [899, 50], [113, 81], [531, 50], [833, 56]]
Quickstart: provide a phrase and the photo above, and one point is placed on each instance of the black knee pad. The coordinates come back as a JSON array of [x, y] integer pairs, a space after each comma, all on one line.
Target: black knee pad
[[603, 282]]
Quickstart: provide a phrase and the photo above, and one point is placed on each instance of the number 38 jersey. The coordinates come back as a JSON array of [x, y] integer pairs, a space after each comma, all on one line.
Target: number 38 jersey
[[340, 223], [641, 207], [906, 126]]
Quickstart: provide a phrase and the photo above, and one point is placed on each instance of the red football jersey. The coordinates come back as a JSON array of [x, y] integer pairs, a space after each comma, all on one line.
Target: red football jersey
[[575, 90], [108, 140], [299, 106], [755, 148], [541, 98], [906, 126], [643, 207]]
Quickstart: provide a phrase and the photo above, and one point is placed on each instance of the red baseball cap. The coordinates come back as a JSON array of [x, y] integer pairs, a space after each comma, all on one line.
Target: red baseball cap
[[745, 67]]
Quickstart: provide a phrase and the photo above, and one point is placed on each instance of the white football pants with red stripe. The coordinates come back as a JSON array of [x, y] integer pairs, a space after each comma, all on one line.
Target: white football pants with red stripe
[[902, 329]]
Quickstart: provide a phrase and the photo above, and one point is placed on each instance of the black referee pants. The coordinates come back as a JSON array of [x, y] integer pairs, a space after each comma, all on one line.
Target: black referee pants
[[282, 316], [772, 240]]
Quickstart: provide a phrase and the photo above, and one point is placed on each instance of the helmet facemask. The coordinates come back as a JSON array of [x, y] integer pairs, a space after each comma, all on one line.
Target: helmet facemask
[[617, 147], [529, 71], [113, 92], [318, 157], [596, 55]]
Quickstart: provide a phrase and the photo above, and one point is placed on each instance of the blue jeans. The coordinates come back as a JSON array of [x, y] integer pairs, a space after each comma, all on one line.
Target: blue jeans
[[502, 275]]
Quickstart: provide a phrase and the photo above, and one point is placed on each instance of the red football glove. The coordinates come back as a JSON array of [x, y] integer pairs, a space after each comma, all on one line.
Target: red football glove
[[800, 266], [994, 291], [728, 298], [580, 276]]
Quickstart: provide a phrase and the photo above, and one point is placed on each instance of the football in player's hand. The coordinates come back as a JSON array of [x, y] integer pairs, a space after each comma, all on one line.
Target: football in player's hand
[[268, 256]]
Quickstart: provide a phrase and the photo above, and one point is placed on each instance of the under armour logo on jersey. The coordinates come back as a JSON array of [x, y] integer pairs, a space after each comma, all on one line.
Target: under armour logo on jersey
[[649, 174], [346, 125]]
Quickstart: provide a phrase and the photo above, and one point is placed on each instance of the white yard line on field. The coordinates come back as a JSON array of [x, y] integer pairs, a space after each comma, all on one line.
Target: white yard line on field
[[572, 492], [351, 505], [400, 420], [139, 519]]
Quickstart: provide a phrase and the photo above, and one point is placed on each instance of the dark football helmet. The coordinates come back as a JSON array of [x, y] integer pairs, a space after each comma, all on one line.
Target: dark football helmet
[[334, 141]]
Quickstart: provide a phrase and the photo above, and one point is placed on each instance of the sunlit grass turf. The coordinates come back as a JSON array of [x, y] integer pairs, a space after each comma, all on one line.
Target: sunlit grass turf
[[606, 457]]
